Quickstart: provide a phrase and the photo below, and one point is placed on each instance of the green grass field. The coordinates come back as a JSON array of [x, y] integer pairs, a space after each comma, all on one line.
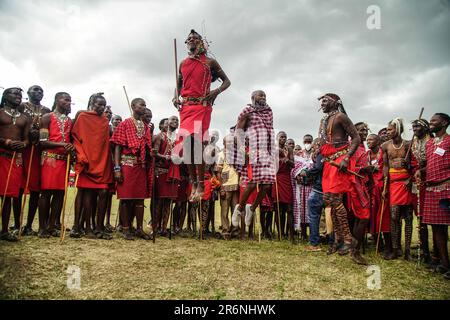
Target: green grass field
[[186, 268]]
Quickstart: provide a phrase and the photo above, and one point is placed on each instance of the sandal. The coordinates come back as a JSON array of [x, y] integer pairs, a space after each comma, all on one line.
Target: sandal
[[103, 235], [9, 237], [141, 234]]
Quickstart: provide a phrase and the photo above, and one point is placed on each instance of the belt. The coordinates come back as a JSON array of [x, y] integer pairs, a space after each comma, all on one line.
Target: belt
[[336, 155], [438, 187], [194, 100], [51, 155], [130, 160], [18, 157], [159, 170]]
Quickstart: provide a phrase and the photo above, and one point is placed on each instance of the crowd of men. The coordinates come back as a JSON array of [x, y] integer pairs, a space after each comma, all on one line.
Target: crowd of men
[[356, 190]]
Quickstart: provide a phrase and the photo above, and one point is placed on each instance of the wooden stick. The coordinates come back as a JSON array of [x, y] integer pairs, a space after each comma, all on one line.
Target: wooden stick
[[24, 200], [128, 100], [177, 94], [256, 214], [410, 145], [63, 226], [334, 164], [154, 223], [7, 183], [278, 209], [381, 216]]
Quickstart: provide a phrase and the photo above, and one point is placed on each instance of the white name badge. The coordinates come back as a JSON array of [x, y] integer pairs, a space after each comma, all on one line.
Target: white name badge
[[439, 151]]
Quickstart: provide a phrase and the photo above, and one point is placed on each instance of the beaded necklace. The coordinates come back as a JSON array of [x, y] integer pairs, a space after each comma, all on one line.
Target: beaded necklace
[[140, 128], [61, 119], [13, 114]]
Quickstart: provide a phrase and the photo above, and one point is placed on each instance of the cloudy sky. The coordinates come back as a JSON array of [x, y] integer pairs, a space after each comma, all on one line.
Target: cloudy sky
[[293, 50]]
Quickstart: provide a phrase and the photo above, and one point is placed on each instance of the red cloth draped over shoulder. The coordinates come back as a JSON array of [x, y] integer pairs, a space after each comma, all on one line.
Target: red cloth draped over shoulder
[[90, 134], [126, 136], [333, 180], [195, 116], [196, 77]]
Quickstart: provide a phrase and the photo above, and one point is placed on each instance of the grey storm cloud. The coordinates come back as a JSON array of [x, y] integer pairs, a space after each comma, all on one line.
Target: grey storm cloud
[[293, 50]]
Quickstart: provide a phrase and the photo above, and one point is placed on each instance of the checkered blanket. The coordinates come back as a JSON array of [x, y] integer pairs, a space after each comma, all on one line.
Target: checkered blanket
[[260, 137]]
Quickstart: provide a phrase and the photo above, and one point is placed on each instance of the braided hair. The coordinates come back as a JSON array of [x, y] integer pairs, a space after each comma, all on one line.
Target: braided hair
[[93, 98], [3, 101], [57, 96]]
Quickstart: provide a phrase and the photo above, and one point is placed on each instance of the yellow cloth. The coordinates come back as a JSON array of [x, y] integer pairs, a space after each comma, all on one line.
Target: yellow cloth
[[229, 174]]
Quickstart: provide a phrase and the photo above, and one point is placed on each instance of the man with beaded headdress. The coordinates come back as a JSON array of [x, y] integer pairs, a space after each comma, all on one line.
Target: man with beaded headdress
[[132, 146], [421, 129], [397, 175], [195, 101], [335, 130], [55, 142], [14, 131]]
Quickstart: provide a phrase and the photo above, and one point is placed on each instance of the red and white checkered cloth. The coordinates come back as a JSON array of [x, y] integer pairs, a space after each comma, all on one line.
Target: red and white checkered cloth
[[438, 169], [125, 135], [263, 155]]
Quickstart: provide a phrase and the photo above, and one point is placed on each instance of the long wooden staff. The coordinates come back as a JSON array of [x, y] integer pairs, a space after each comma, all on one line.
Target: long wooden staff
[[154, 223], [63, 226], [418, 224], [128, 100], [176, 73], [256, 214], [24, 200], [278, 209], [381, 214], [410, 145], [7, 182]]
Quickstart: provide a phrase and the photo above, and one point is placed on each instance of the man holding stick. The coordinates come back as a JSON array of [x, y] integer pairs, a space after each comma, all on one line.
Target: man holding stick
[[32, 155], [54, 136], [398, 178], [196, 73], [14, 130], [335, 130]]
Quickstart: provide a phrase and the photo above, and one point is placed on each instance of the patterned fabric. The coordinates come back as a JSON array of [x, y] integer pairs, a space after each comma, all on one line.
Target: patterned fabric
[[126, 135], [301, 191], [262, 150], [360, 199], [229, 176], [437, 169]]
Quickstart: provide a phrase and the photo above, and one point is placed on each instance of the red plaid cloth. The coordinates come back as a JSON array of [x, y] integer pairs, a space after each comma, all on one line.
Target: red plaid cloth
[[125, 135], [438, 169], [263, 155]]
